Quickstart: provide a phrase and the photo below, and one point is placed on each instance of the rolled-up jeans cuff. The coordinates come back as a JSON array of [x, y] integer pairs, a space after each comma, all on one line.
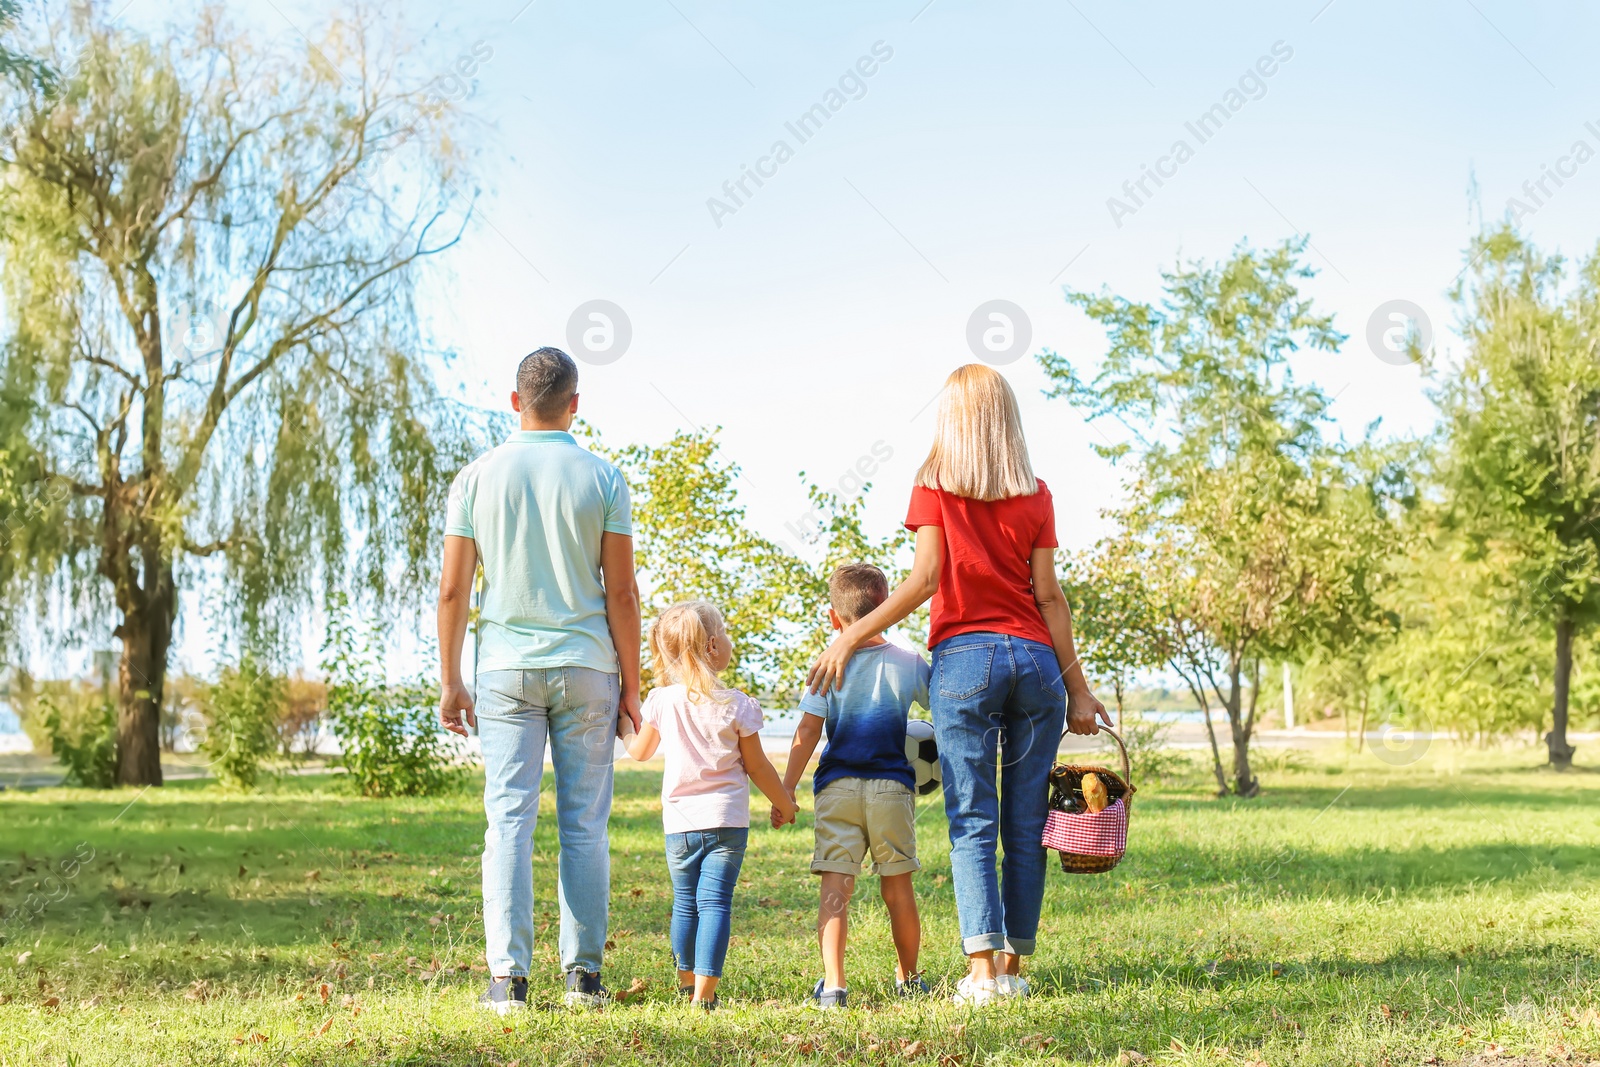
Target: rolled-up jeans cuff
[[1019, 946], [983, 943]]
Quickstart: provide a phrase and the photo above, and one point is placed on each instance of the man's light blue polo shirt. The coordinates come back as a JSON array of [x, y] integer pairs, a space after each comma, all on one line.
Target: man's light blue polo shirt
[[537, 506]]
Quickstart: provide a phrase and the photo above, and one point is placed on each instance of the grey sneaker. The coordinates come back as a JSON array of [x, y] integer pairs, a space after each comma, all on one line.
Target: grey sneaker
[[913, 985], [584, 989], [826, 998], [505, 995]]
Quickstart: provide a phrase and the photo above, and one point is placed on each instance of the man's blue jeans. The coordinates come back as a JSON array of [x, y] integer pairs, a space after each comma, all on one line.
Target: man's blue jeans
[[997, 697], [704, 867], [576, 709]]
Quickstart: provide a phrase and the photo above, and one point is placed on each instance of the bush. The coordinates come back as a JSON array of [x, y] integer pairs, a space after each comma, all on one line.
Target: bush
[[82, 727], [1148, 748], [242, 711], [389, 733]]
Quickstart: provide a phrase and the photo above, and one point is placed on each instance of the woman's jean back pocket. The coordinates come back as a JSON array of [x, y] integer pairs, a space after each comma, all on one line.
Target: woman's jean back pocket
[[964, 670]]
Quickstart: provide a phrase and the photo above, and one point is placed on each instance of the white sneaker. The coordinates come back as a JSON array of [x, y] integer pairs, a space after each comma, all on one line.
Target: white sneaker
[[1011, 985], [975, 993]]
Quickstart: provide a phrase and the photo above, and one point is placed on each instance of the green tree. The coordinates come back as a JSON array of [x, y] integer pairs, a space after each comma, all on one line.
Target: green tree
[[1522, 424], [691, 540], [1238, 496], [212, 366], [242, 709]]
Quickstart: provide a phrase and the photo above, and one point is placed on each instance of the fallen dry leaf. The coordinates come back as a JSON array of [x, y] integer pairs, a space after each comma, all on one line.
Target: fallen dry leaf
[[958, 1030], [636, 892], [51, 1002], [25, 957], [1130, 1056], [326, 1023], [913, 1050], [1038, 1041], [93, 1002], [313, 876], [770, 902], [326, 990], [101, 947], [5, 998], [635, 987], [349, 1044]]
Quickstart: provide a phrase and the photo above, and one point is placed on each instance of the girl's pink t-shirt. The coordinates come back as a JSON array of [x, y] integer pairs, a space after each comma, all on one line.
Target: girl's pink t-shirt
[[705, 786]]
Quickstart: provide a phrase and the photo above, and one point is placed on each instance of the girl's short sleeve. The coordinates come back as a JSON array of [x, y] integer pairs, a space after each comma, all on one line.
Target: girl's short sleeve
[[650, 710], [924, 508], [1046, 537], [747, 718]]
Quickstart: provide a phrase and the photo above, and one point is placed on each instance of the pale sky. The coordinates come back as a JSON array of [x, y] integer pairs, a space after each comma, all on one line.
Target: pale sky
[[815, 320]]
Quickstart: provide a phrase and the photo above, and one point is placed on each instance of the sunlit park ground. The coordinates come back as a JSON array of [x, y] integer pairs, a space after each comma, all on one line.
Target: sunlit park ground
[[1356, 913]]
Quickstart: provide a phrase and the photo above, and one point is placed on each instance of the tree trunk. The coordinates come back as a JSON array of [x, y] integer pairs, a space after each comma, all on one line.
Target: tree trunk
[[1560, 751], [1361, 731], [1245, 784], [146, 634]]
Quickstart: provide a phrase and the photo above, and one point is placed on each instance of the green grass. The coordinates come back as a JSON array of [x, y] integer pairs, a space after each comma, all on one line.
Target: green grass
[[1356, 913]]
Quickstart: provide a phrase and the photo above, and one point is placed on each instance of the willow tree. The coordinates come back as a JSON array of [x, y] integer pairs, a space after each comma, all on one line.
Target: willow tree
[[1522, 422], [212, 373], [1237, 489]]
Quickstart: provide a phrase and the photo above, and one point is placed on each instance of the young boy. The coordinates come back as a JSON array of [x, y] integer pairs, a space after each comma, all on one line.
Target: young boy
[[863, 785]]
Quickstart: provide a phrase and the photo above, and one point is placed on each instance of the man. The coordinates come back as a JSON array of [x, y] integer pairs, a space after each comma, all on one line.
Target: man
[[558, 659]]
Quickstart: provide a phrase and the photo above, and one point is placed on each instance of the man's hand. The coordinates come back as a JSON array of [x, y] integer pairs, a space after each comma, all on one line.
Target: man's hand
[[628, 708], [455, 703], [1082, 710]]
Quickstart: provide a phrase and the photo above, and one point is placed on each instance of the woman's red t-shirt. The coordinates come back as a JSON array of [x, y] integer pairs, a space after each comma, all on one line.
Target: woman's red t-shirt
[[986, 581]]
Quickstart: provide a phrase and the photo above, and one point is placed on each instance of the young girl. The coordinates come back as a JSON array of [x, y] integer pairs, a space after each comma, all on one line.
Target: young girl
[[1005, 672], [710, 737]]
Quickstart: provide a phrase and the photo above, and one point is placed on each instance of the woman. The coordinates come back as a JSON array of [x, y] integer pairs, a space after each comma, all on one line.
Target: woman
[[1004, 667]]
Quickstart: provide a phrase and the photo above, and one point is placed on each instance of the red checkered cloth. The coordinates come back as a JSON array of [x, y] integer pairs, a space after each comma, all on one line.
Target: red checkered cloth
[[1104, 833]]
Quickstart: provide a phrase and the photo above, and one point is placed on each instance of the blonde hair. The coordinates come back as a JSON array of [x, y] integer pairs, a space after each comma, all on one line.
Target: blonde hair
[[978, 448], [680, 647]]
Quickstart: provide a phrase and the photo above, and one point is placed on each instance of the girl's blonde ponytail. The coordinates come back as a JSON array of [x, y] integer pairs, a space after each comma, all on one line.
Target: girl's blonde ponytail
[[680, 647]]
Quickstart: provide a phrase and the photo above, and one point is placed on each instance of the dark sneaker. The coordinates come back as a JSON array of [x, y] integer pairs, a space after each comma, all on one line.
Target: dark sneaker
[[584, 989], [686, 992], [707, 1005], [505, 995], [914, 985], [828, 997]]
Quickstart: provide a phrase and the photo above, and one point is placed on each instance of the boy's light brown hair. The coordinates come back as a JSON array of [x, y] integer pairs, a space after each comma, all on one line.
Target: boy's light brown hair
[[855, 589]]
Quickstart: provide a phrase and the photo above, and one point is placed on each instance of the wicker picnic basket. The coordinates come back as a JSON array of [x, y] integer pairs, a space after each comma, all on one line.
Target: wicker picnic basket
[[1089, 843]]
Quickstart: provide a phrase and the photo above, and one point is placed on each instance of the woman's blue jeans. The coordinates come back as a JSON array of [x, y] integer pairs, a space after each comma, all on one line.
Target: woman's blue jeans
[[997, 700], [704, 867]]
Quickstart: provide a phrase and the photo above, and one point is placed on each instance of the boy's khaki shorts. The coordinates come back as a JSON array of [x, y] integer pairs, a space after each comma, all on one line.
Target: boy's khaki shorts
[[858, 817]]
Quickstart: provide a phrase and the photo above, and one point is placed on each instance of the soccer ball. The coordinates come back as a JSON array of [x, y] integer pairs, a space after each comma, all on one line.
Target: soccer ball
[[923, 755]]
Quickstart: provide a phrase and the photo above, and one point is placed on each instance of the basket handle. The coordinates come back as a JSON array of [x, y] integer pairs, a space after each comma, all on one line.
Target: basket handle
[[1127, 767]]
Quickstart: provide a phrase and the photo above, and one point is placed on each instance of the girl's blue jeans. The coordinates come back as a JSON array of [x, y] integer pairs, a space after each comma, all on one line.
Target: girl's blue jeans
[[998, 702], [704, 867]]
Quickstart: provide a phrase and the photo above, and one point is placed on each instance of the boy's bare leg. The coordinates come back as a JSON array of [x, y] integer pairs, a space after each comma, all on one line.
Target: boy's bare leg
[[904, 922], [833, 925], [1007, 963], [705, 987], [686, 978]]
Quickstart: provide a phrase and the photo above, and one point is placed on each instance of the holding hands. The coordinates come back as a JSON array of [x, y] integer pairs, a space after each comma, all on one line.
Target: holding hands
[[784, 814]]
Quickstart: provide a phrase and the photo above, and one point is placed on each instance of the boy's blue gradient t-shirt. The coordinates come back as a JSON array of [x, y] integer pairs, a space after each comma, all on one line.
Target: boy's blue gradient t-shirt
[[866, 717]]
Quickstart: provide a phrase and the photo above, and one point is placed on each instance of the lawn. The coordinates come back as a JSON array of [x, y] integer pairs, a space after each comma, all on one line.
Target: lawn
[[1356, 913]]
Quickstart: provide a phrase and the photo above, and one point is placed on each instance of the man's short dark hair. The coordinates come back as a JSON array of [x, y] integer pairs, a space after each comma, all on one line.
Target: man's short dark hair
[[547, 380], [855, 589]]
